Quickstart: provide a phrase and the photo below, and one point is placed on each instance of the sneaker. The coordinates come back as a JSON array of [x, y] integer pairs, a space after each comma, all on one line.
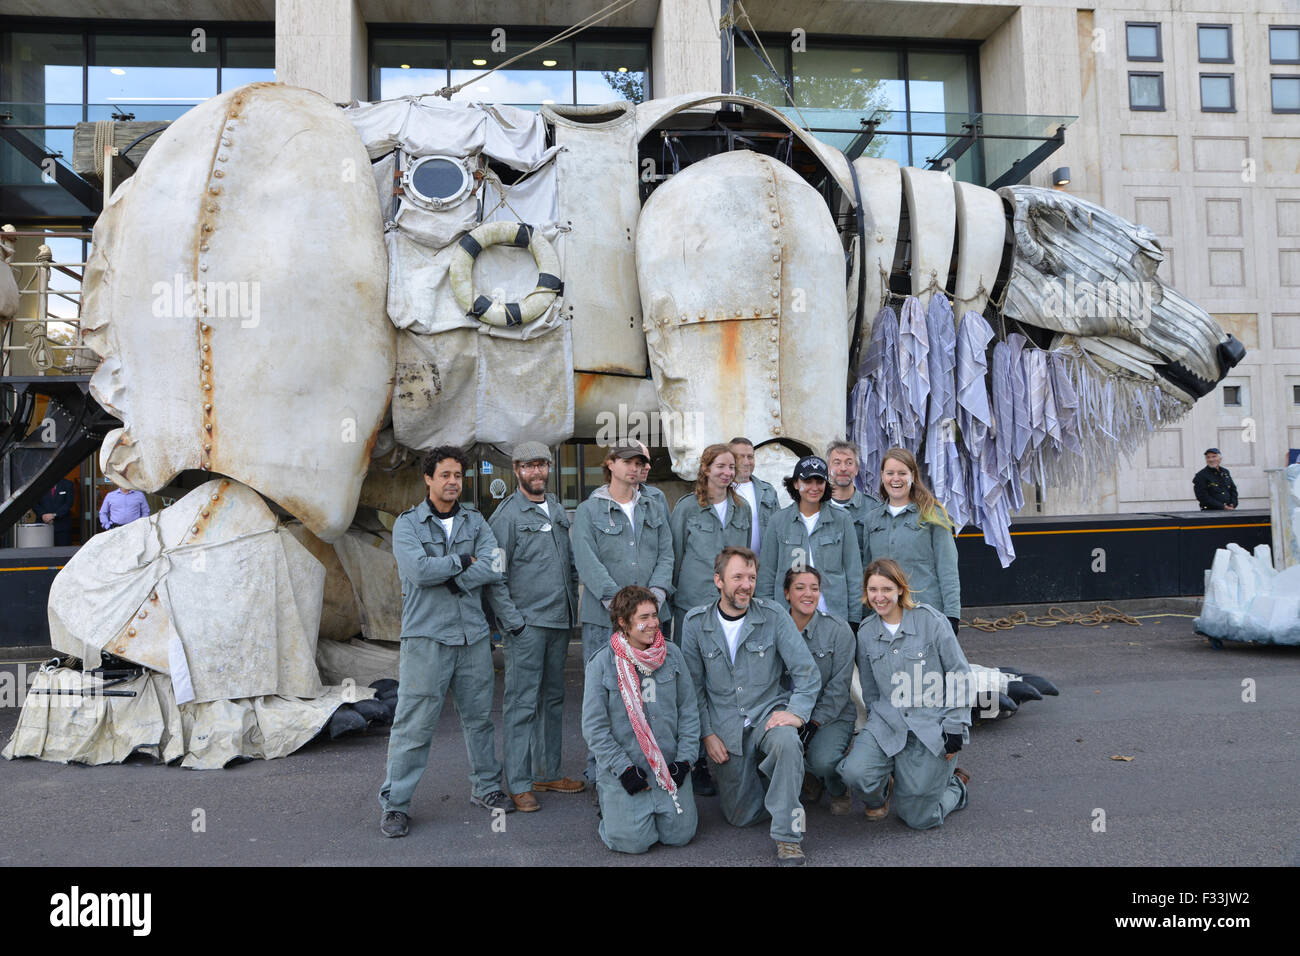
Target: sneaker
[[790, 854], [496, 800], [525, 802], [702, 781], [812, 790], [563, 785], [394, 823], [961, 775], [841, 806]]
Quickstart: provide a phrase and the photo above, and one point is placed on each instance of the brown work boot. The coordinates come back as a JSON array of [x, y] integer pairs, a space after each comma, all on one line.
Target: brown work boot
[[842, 805], [563, 785], [812, 790], [961, 775], [525, 802], [876, 814], [789, 854]]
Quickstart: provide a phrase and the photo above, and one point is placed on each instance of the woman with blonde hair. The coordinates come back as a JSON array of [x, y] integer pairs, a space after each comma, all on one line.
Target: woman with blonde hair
[[917, 688], [911, 526], [704, 523]]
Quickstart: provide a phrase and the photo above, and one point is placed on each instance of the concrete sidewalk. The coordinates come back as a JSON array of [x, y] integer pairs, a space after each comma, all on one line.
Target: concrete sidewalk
[[1211, 782]]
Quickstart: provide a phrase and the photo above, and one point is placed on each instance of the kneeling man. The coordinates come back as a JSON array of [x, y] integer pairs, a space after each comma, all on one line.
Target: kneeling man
[[638, 710], [737, 649]]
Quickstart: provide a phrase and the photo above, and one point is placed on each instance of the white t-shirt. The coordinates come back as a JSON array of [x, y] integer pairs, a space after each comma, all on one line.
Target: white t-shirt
[[545, 506], [892, 628], [446, 526], [731, 629], [896, 510], [810, 522], [747, 492], [628, 510], [840, 504], [721, 509]]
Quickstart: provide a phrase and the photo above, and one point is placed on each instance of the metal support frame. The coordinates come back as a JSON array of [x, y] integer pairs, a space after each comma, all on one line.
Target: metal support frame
[[80, 190], [79, 420], [1024, 166], [964, 141]]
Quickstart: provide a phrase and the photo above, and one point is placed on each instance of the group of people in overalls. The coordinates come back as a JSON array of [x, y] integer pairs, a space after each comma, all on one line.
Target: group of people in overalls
[[769, 610]]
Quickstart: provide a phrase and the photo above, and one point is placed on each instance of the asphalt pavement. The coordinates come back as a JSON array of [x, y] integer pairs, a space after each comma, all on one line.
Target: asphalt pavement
[[1211, 782]]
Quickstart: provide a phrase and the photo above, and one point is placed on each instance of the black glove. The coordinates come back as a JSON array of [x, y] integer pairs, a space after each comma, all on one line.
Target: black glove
[[806, 732], [678, 770], [519, 630], [955, 622], [951, 743], [633, 780], [466, 557], [451, 585]]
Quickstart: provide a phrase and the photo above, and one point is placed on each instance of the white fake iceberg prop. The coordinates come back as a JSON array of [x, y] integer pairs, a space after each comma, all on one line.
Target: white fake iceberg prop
[[1246, 600]]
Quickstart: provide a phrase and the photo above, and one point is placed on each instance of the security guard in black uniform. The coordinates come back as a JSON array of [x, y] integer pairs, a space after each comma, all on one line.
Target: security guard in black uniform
[[1214, 487]]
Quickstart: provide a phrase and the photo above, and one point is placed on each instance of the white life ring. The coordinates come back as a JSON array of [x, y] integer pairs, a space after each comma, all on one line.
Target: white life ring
[[505, 314]]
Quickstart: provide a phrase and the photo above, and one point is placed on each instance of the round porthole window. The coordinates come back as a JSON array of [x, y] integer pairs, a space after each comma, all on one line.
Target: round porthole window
[[437, 181]]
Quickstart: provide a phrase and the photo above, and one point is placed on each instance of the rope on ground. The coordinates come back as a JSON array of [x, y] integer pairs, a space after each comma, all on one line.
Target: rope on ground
[[1101, 614]]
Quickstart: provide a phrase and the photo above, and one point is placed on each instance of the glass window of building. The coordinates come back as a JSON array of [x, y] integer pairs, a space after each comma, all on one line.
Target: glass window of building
[[1146, 91], [41, 85], [919, 97], [1284, 44], [546, 76], [587, 70], [156, 73], [1214, 42], [1217, 93], [1143, 41], [246, 60], [407, 66], [753, 78], [148, 75], [615, 70], [1286, 94]]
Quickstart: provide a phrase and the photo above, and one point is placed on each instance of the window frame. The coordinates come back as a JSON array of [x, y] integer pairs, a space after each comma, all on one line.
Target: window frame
[[1272, 102], [445, 34], [1236, 391], [1213, 26], [1282, 26], [1232, 92], [88, 28], [1160, 43], [1159, 75]]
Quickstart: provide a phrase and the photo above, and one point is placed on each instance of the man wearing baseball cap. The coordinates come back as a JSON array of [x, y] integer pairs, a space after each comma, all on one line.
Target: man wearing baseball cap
[[537, 606], [1215, 490]]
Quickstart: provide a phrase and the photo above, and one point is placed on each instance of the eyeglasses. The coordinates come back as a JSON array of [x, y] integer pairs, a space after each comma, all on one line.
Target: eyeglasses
[[534, 466]]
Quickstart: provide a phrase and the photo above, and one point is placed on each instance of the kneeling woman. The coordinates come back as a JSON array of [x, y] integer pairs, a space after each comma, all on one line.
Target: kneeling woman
[[915, 721], [641, 719], [829, 728]]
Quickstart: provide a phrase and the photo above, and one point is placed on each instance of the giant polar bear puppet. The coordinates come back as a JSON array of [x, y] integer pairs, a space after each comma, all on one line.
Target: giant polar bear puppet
[[296, 299]]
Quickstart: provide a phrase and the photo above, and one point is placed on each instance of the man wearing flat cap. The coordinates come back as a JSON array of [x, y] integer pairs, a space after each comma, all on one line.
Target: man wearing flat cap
[[620, 538], [537, 606], [1214, 487]]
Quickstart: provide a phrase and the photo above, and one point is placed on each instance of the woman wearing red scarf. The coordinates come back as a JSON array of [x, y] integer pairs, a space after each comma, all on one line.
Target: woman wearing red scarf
[[641, 720]]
